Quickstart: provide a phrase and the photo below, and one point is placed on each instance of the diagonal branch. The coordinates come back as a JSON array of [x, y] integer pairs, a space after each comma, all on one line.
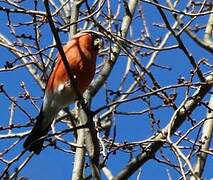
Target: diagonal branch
[[108, 66], [181, 44], [21, 55], [176, 121], [85, 114], [63, 56], [206, 43], [206, 139]]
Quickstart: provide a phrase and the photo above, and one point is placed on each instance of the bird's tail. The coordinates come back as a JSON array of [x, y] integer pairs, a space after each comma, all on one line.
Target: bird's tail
[[35, 139]]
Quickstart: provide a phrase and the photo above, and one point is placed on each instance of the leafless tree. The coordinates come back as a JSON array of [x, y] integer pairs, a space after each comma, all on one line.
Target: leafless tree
[[152, 97]]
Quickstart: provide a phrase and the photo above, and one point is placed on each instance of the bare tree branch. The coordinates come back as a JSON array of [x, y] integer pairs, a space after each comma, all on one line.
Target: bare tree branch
[[205, 139], [177, 119]]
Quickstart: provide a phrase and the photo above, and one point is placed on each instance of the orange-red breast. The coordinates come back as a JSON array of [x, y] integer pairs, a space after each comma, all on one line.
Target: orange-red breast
[[81, 53]]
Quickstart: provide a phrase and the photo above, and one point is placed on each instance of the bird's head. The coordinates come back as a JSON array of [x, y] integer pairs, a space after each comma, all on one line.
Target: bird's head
[[98, 42], [90, 39]]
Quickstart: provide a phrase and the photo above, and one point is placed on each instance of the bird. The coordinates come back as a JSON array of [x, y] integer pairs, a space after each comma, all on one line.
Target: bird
[[81, 53]]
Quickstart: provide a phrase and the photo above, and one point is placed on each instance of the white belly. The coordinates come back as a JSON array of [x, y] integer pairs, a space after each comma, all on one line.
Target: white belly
[[55, 101]]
